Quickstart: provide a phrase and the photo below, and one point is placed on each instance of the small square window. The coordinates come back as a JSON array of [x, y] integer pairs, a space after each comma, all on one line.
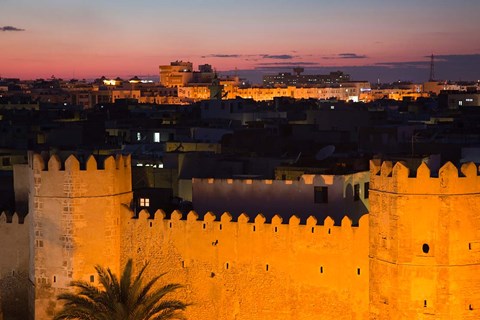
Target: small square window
[[144, 202], [321, 194]]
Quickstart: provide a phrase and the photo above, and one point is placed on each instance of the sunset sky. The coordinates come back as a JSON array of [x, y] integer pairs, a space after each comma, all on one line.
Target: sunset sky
[[87, 39]]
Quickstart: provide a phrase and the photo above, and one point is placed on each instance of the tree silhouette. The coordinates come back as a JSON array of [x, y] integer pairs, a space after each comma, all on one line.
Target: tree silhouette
[[124, 299]]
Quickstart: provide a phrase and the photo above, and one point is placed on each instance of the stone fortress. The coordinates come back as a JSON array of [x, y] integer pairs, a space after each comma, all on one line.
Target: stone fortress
[[416, 255]]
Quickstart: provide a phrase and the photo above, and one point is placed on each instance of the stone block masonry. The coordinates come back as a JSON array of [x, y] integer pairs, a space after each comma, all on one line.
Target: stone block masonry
[[416, 255]]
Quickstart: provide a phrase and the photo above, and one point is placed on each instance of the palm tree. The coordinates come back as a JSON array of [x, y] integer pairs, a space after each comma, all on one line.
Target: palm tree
[[126, 299]]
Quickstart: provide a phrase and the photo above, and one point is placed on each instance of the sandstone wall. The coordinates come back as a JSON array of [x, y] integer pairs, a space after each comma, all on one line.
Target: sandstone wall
[[14, 255], [75, 223], [284, 197], [256, 269], [424, 242]]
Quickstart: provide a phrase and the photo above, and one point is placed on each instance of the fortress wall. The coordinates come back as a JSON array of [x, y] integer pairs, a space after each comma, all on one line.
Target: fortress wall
[[14, 242], [256, 269], [75, 219], [283, 197], [14, 239], [424, 236]]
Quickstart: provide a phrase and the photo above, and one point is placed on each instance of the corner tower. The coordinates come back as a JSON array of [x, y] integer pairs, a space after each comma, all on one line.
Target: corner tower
[[424, 242], [74, 223]]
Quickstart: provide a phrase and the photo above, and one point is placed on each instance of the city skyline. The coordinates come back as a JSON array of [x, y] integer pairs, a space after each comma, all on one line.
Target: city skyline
[[374, 40]]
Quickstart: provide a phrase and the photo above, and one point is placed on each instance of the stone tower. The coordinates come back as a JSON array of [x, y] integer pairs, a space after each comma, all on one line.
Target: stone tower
[[74, 223], [424, 242]]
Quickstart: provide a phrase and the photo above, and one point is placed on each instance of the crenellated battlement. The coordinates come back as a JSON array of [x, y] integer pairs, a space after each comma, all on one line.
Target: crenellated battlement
[[450, 180], [256, 260], [209, 219], [71, 178], [54, 163], [12, 218], [424, 224], [285, 197], [306, 179]]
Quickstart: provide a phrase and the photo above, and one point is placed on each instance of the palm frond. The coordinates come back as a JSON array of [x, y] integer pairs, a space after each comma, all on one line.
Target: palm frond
[[120, 299], [173, 306], [125, 281]]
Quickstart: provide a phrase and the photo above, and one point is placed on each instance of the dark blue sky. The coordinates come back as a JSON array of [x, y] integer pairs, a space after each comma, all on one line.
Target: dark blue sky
[[446, 67]]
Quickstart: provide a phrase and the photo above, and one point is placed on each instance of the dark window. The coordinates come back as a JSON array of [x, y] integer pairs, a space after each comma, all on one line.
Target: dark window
[[321, 194], [5, 161], [92, 278], [356, 192], [425, 248], [366, 187]]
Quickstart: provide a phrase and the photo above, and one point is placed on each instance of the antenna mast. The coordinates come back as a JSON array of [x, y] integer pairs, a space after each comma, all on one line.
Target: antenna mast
[[432, 68]]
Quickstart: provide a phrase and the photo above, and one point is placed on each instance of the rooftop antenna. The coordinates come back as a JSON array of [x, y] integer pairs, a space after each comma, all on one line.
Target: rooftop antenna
[[432, 68]]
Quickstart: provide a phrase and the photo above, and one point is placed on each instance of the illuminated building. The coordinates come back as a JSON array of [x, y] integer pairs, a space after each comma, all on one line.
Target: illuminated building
[[299, 80], [348, 91], [177, 74], [180, 73]]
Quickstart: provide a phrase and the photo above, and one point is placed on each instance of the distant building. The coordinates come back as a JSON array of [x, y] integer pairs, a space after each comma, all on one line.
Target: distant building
[[301, 80], [457, 99], [177, 74], [180, 73]]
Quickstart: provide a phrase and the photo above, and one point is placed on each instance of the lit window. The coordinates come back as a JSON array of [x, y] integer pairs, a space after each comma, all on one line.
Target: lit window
[[156, 137], [469, 100], [144, 202], [139, 136]]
